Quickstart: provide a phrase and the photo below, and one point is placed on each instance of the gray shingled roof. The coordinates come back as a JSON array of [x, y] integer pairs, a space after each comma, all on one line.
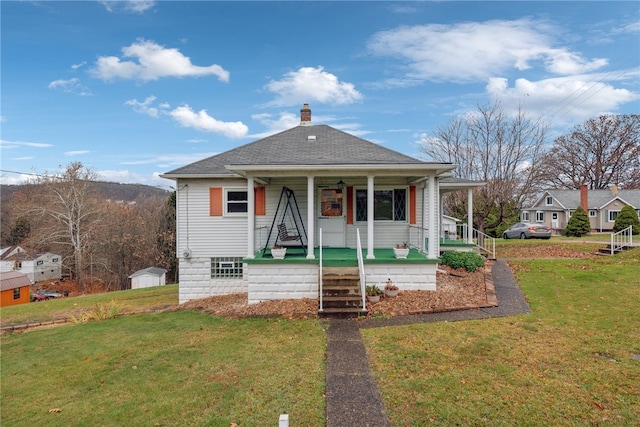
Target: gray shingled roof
[[331, 147], [155, 271], [570, 199]]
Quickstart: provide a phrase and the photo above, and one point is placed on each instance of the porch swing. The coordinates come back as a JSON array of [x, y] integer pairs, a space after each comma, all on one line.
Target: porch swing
[[288, 221]]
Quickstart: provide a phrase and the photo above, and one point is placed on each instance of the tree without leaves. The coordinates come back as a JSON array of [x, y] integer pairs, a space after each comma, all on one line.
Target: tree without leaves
[[492, 147], [600, 153], [126, 240], [66, 211], [166, 238]]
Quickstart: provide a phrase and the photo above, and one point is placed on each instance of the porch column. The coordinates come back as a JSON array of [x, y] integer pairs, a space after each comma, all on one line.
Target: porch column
[[469, 215], [425, 217], [370, 217], [310, 218], [251, 218], [432, 247]]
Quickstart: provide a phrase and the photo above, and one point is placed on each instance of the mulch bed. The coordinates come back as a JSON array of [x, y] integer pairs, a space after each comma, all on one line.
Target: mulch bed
[[455, 289]]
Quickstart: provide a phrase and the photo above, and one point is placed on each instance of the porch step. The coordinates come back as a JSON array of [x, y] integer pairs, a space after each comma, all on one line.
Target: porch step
[[343, 312], [341, 294], [607, 250]]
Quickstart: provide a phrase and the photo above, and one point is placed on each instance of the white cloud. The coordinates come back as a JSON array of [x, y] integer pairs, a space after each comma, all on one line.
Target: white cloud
[[187, 117], [73, 86], [201, 120], [136, 6], [145, 106], [309, 85], [153, 62], [76, 153], [476, 51], [76, 66], [284, 121], [6, 144], [561, 99]]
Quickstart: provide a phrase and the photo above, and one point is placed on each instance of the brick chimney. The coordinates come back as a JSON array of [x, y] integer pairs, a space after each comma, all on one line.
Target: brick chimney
[[584, 197], [305, 115]]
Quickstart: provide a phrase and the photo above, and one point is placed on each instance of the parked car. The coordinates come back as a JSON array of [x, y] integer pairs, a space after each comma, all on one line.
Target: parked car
[[44, 295], [525, 230], [38, 297]]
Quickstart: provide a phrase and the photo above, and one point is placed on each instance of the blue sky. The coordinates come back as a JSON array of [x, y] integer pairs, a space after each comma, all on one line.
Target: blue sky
[[134, 89]]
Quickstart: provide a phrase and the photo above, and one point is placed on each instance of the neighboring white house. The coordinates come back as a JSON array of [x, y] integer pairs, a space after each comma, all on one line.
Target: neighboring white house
[[37, 266], [232, 208], [148, 277], [555, 207]]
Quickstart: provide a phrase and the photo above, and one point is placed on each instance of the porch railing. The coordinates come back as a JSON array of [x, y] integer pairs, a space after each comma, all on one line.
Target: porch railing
[[361, 270], [621, 239], [484, 242], [320, 266]]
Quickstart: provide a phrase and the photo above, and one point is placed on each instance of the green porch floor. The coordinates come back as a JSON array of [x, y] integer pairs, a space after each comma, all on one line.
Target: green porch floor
[[341, 257]]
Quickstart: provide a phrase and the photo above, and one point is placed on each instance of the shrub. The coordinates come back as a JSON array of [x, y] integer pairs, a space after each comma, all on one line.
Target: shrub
[[102, 311], [626, 218], [578, 225], [470, 261]]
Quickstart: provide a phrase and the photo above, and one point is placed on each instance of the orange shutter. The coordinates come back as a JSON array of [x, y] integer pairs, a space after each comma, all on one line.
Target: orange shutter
[[349, 205], [215, 201], [260, 201], [412, 204]]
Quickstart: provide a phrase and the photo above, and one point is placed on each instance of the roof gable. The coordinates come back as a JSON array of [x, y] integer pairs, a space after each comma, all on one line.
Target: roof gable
[[153, 271], [570, 199]]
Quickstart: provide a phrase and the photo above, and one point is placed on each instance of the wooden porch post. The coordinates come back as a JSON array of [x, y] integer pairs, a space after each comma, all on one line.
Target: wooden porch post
[[370, 218], [251, 218], [310, 217], [469, 215]]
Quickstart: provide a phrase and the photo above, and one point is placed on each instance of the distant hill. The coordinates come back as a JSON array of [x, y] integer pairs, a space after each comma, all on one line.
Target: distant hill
[[109, 190]]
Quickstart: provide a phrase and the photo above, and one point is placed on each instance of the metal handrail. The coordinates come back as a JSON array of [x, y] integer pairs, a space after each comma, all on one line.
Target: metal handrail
[[361, 270], [621, 239], [320, 261]]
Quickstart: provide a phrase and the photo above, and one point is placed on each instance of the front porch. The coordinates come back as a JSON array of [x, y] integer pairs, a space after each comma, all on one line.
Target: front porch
[[299, 276]]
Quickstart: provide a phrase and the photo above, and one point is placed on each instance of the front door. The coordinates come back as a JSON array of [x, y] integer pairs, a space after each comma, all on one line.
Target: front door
[[332, 220]]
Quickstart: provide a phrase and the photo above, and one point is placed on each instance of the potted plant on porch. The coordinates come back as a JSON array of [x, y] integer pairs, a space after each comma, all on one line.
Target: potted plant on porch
[[278, 252], [391, 290], [373, 293], [401, 250]]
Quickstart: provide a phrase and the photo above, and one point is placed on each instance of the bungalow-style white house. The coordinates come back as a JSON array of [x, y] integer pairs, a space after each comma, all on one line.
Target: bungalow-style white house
[[555, 207], [36, 265], [333, 199], [148, 277]]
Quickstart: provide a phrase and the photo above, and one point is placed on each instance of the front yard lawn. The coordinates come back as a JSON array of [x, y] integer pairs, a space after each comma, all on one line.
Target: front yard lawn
[[574, 361]]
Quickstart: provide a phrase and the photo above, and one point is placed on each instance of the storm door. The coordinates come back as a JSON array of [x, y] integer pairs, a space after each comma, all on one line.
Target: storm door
[[331, 218]]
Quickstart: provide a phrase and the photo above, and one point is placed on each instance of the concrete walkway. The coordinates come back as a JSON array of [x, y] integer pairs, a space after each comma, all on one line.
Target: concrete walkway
[[352, 394]]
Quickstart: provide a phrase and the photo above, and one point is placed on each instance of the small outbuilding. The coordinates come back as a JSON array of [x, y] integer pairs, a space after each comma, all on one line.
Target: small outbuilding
[[148, 277], [15, 288]]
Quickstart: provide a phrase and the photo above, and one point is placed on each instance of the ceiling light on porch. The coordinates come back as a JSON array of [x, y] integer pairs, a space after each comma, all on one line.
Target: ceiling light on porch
[[340, 184]]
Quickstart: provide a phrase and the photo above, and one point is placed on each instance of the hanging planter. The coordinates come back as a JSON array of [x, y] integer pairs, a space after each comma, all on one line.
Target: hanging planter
[[278, 252]]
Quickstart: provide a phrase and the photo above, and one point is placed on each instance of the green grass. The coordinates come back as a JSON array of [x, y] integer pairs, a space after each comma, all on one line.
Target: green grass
[[60, 308], [573, 361], [170, 369]]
